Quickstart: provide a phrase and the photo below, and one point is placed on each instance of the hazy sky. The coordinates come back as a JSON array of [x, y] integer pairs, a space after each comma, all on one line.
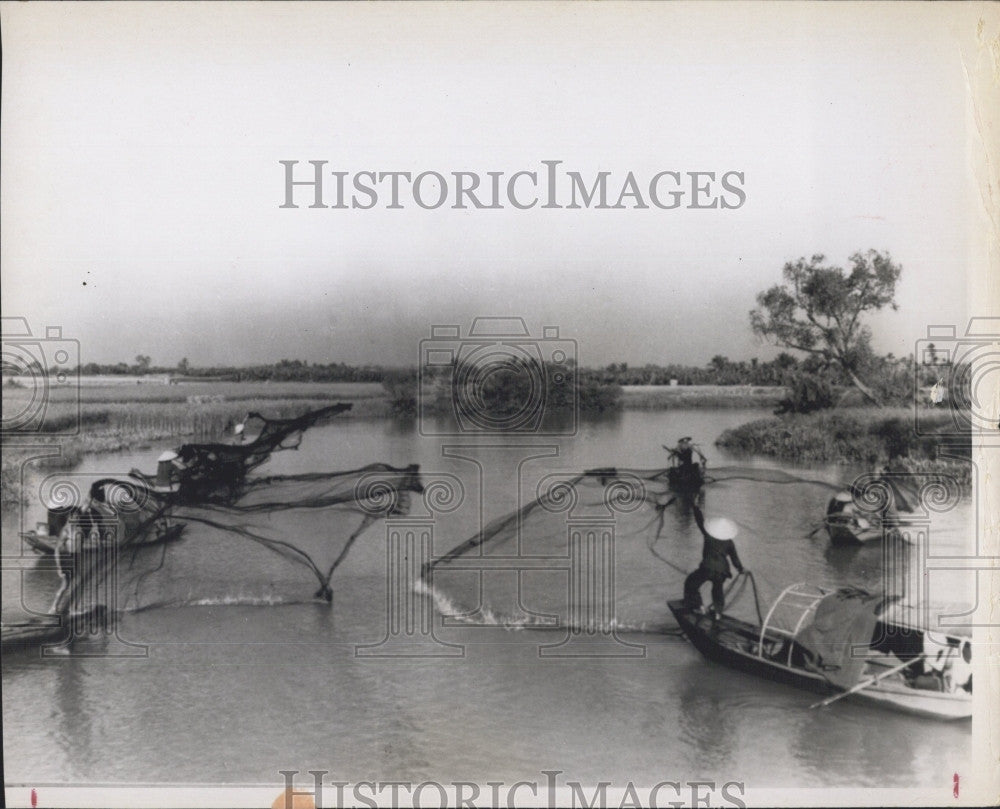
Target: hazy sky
[[141, 180]]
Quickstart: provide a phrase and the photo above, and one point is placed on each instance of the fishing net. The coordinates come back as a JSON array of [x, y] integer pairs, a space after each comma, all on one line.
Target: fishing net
[[600, 548], [596, 551], [204, 530], [281, 539], [198, 473]]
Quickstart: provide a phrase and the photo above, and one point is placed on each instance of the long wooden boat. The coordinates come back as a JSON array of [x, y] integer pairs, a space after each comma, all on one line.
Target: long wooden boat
[[44, 543], [772, 651], [685, 480], [31, 634], [845, 529]]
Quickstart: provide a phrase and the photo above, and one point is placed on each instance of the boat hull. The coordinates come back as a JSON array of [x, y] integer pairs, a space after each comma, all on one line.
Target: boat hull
[[734, 643], [30, 635], [848, 535], [39, 543], [684, 480], [45, 544]]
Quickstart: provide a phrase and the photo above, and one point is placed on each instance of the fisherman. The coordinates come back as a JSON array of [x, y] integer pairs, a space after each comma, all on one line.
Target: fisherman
[[960, 677], [684, 453], [840, 503], [78, 530], [719, 534], [686, 476]]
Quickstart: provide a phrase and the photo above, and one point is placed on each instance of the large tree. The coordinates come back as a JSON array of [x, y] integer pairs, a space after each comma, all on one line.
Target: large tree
[[818, 310]]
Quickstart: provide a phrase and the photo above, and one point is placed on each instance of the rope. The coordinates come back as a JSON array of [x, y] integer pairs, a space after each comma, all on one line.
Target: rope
[[742, 579], [651, 545]]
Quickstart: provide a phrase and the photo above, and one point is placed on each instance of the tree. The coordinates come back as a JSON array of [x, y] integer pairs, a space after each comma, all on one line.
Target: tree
[[183, 366], [142, 363], [785, 361], [807, 393], [718, 362], [818, 310]]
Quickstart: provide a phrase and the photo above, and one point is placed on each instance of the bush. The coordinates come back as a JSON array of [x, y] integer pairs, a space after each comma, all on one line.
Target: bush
[[505, 392], [401, 388], [807, 393], [846, 436]]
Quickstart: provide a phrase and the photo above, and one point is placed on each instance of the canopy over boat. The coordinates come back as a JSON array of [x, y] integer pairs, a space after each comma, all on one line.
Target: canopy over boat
[[841, 641], [835, 630], [830, 628]]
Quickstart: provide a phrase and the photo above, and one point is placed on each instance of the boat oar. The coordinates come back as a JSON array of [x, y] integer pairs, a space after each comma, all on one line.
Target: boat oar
[[865, 684]]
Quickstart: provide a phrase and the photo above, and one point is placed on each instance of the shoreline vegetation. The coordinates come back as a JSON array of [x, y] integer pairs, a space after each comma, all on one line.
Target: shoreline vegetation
[[842, 403], [867, 436], [121, 413]]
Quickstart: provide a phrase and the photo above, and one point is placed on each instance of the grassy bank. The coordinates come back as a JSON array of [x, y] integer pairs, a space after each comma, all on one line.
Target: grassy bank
[[866, 436], [121, 417], [665, 397]]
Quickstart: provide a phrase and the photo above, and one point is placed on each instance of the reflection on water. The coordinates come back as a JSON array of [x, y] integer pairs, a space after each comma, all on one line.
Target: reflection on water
[[237, 693], [74, 714], [706, 724]]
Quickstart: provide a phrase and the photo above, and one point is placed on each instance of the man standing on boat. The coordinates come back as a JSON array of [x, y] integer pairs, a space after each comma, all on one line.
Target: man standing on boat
[[684, 453], [841, 503], [686, 477], [717, 550]]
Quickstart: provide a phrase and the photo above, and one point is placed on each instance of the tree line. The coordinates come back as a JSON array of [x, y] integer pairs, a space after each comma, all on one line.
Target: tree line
[[719, 371], [816, 311]]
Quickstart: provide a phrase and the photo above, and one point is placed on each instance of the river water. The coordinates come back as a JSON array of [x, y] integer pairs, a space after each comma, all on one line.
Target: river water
[[232, 693]]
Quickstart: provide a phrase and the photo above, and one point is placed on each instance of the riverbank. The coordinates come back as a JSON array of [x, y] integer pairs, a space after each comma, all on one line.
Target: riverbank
[[97, 418], [109, 415], [866, 436], [665, 397], [131, 413]]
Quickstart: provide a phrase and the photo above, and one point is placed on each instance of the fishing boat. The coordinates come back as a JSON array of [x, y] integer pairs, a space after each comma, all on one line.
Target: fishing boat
[[44, 543], [851, 521], [99, 522], [850, 529], [841, 642], [685, 479], [30, 634], [216, 472]]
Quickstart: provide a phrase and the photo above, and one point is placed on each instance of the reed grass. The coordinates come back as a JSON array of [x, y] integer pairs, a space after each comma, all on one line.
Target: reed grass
[[665, 397], [122, 417], [859, 435]]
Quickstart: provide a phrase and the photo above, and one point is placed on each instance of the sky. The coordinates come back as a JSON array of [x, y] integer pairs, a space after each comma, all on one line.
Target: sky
[[141, 187]]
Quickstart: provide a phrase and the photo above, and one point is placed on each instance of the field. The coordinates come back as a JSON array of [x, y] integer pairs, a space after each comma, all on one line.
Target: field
[[662, 397], [107, 416]]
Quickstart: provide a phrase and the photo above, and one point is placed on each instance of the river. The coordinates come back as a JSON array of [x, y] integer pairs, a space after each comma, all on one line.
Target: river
[[233, 693]]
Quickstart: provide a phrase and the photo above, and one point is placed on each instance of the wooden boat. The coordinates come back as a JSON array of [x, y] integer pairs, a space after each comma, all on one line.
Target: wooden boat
[[20, 637], [686, 480], [848, 529], [40, 540], [53, 631], [773, 650], [44, 543]]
